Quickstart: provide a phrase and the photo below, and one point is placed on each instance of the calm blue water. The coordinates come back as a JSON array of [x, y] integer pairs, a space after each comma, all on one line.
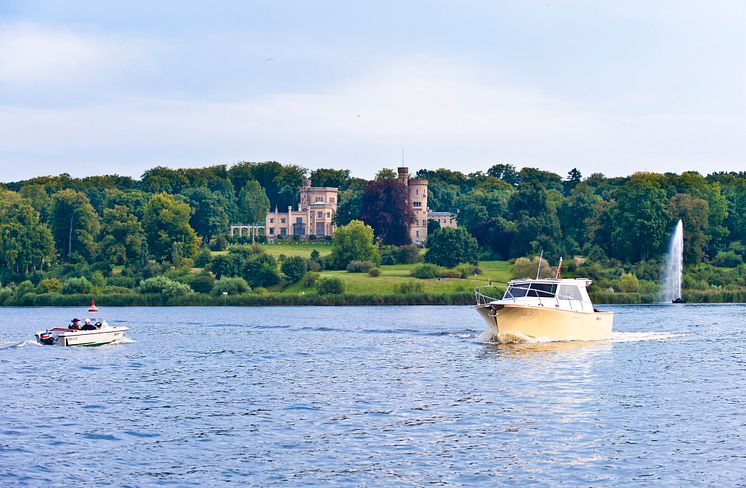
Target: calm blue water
[[373, 396]]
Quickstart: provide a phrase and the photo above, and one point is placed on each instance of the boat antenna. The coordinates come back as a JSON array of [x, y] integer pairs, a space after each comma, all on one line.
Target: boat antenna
[[559, 268], [538, 268]]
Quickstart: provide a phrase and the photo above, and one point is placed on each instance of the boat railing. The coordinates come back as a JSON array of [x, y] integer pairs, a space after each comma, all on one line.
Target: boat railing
[[488, 293]]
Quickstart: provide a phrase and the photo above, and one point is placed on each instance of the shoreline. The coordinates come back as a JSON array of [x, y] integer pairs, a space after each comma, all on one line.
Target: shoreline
[[312, 299]]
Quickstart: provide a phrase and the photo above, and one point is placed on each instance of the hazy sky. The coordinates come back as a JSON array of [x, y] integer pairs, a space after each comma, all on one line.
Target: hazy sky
[[95, 87]]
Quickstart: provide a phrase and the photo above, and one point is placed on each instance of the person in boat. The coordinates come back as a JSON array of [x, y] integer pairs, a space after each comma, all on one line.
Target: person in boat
[[88, 325], [75, 324]]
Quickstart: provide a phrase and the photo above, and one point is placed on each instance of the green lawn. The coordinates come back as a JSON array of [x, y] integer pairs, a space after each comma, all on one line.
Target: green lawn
[[302, 249], [361, 283]]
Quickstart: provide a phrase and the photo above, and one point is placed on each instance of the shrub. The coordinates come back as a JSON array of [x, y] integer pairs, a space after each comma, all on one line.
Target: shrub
[[24, 288], [203, 258], [294, 268], [449, 273], [310, 279], [465, 270], [727, 259], [122, 280], [426, 271], [76, 285], [5, 293], [374, 272], [261, 291], [628, 283], [219, 243], [360, 266], [526, 268], [232, 285], [409, 286], [166, 286], [330, 285], [202, 282], [50, 285], [408, 254]]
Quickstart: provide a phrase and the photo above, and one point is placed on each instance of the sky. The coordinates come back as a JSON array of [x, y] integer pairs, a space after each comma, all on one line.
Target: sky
[[104, 87]]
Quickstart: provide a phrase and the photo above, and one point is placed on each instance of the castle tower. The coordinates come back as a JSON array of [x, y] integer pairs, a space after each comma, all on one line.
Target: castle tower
[[417, 198]]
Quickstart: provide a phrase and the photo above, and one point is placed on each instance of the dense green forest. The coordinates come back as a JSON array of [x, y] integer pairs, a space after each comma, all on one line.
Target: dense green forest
[[60, 234]]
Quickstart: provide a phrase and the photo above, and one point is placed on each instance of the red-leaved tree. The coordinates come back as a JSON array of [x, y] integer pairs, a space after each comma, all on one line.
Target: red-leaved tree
[[385, 208]]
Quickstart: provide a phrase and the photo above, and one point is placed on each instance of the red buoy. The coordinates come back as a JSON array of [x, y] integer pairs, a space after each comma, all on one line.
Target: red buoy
[[93, 307]]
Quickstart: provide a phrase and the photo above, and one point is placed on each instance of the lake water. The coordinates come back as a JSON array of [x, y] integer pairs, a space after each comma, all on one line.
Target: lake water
[[373, 396]]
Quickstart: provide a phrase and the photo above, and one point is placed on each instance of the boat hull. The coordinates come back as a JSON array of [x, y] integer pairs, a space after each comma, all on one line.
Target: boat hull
[[67, 337], [513, 322]]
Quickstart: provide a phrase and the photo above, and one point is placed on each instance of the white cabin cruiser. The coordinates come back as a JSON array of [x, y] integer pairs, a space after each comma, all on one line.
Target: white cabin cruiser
[[544, 309]]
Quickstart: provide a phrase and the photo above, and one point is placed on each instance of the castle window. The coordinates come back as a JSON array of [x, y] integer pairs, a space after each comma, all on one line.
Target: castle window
[[320, 215], [331, 199], [282, 221], [417, 233], [417, 204], [271, 221], [319, 199], [271, 231]]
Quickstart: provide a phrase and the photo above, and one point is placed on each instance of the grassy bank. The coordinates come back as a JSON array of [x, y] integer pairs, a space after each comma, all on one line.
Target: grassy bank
[[301, 299], [245, 300]]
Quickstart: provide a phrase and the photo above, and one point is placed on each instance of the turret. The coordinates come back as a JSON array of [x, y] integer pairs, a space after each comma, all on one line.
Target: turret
[[403, 175]]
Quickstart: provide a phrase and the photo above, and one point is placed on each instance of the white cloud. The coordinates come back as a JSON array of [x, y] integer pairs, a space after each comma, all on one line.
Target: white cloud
[[32, 54], [443, 113]]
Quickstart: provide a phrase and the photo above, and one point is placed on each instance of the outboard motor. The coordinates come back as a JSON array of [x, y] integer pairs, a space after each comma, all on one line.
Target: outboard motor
[[45, 338]]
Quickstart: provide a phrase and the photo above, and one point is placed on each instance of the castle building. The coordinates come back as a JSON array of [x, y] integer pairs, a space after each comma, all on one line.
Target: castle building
[[318, 208], [314, 216]]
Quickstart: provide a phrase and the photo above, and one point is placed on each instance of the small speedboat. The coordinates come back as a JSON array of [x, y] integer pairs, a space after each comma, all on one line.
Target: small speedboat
[[95, 332]]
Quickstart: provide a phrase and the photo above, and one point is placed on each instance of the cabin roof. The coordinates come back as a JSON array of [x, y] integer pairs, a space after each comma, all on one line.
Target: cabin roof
[[555, 281]]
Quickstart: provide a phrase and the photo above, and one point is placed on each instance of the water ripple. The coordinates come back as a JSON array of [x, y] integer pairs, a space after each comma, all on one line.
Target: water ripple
[[384, 396]]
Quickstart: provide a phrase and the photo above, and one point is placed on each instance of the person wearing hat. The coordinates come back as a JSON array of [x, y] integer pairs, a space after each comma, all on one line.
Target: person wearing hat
[[75, 324]]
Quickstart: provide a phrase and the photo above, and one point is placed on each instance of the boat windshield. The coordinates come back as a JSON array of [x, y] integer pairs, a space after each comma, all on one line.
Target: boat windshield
[[542, 290]]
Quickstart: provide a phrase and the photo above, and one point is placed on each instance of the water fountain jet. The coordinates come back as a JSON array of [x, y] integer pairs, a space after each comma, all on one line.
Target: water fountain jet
[[671, 290]]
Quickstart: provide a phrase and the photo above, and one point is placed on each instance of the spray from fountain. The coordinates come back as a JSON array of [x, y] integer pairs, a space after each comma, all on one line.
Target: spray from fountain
[[671, 286]]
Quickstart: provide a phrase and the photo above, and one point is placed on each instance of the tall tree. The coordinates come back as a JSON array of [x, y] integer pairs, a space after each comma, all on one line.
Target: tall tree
[[639, 218], [386, 209], [74, 224], [26, 244], [694, 213], [452, 246], [505, 172], [353, 242], [122, 237], [253, 204], [350, 202], [573, 178], [328, 177], [166, 222], [537, 225], [209, 215]]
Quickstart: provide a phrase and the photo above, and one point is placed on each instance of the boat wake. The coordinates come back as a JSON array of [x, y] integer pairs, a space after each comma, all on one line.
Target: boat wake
[[119, 342], [645, 336], [488, 337], [18, 345]]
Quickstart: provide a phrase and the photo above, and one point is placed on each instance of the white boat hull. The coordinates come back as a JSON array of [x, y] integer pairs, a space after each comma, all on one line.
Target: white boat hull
[[69, 337], [511, 322]]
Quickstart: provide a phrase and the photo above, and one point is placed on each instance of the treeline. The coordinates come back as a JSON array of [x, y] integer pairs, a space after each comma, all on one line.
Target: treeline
[[62, 228]]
